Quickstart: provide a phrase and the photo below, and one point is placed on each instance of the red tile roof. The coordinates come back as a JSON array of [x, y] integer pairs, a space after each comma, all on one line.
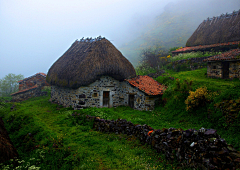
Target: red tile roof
[[195, 48], [229, 55], [147, 84], [43, 74], [33, 87]]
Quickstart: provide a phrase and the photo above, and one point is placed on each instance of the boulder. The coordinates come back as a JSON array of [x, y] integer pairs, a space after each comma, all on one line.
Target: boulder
[[7, 150]]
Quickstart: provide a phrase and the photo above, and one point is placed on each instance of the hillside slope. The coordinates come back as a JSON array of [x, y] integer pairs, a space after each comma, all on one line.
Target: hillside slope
[[175, 25]]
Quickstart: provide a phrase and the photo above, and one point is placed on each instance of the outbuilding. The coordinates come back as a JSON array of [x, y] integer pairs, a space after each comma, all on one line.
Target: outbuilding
[[93, 73], [225, 65], [30, 87]]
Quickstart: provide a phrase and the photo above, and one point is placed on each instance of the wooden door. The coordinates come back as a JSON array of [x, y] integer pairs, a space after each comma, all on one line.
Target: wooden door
[[131, 100], [225, 67], [106, 99]]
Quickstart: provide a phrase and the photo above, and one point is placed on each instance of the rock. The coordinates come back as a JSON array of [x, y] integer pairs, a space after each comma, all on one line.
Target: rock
[[7, 150]]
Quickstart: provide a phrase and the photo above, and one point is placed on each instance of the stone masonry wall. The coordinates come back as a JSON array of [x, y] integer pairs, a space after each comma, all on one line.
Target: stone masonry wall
[[92, 95], [194, 63], [28, 94], [214, 69], [234, 69]]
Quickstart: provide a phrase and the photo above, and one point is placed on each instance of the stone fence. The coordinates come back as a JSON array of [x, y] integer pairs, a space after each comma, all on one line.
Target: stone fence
[[192, 63], [202, 148]]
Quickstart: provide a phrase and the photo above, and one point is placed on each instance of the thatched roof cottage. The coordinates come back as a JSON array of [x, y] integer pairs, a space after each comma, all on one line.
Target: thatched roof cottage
[[30, 87], [93, 73], [225, 65], [219, 33]]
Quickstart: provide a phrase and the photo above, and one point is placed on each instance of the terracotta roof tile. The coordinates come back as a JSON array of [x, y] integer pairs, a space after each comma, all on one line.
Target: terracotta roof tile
[[33, 87], [229, 55], [147, 84], [195, 48], [43, 74]]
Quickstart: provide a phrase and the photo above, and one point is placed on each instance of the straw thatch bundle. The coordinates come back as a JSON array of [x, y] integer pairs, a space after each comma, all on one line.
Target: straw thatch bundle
[[221, 29], [86, 61]]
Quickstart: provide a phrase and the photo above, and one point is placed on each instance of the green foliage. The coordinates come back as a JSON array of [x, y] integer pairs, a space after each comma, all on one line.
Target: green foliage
[[9, 84]]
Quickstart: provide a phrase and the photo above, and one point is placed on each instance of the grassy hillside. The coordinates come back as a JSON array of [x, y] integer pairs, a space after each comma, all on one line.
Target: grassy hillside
[[48, 136], [175, 25]]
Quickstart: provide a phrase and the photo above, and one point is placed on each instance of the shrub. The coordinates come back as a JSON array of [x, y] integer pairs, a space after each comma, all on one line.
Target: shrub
[[199, 98]]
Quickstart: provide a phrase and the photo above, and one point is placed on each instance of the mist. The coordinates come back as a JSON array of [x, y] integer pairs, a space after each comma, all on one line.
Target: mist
[[34, 34]]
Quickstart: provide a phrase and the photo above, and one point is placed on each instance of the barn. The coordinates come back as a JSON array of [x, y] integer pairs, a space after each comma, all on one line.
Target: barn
[[93, 73]]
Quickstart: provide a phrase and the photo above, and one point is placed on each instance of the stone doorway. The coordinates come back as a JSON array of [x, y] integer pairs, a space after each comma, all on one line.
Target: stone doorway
[[131, 100], [225, 70], [105, 98]]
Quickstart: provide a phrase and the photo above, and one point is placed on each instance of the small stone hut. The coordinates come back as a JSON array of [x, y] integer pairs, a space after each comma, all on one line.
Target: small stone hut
[[93, 73], [225, 65], [30, 87]]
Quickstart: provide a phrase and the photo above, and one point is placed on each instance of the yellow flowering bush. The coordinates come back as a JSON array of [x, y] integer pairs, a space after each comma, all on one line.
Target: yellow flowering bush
[[199, 98]]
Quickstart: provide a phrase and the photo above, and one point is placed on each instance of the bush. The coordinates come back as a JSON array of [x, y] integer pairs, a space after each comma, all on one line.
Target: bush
[[199, 98]]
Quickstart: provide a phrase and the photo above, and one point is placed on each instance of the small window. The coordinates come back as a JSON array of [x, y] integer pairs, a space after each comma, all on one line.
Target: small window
[[95, 95], [147, 98], [138, 100]]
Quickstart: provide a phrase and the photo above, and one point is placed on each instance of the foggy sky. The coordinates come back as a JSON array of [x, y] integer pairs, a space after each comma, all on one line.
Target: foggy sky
[[35, 33]]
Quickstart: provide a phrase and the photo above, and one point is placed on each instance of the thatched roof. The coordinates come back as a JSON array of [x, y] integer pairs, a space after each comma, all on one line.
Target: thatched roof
[[221, 29], [86, 61]]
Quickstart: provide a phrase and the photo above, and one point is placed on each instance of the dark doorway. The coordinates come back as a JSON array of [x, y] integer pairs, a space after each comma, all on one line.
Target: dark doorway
[[225, 67], [106, 99], [131, 100]]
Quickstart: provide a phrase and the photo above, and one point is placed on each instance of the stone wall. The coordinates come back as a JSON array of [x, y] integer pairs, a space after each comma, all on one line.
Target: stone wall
[[195, 149], [193, 63], [234, 69], [215, 69], [24, 95], [92, 95]]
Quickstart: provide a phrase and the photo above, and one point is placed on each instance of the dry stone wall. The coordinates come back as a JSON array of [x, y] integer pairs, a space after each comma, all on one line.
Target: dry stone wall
[[234, 69], [215, 69], [35, 92], [92, 95], [193, 63], [202, 148]]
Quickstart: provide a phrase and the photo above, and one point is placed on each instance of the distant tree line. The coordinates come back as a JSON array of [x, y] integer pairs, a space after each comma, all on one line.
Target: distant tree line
[[9, 84]]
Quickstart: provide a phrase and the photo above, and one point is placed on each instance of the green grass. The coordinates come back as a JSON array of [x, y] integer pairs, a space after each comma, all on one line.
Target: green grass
[[80, 147], [193, 55]]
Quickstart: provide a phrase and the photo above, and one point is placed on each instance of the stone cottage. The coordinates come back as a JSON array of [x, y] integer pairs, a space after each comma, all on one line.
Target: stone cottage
[[30, 87], [93, 73], [225, 65]]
